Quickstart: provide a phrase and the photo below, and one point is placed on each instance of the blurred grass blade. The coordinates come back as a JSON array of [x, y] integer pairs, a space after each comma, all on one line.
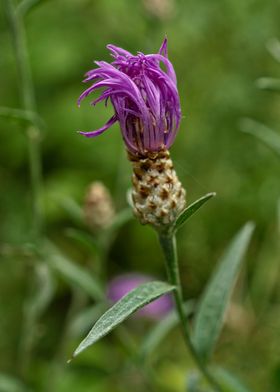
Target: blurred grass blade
[[193, 381], [43, 293], [209, 318], [161, 329], [262, 132], [265, 83], [83, 321], [11, 384], [278, 216], [127, 305], [21, 114], [73, 273], [73, 209], [85, 239], [26, 5], [191, 209], [273, 46], [228, 381], [121, 219]]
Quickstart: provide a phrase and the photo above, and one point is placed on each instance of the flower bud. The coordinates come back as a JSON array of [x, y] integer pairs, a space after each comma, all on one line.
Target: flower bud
[[158, 196], [98, 207]]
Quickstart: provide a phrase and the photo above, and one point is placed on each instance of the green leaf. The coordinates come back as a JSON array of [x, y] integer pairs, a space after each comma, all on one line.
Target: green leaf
[[209, 318], [85, 239], [127, 305], [42, 293], [194, 383], [11, 384], [72, 208], [73, 273], [83, 321], [121, 219], [26, 5], [273, 46], [266, 83], [23, 115], [228, 381], [161, 329], [191, 209], [262, 132], [278, 216]]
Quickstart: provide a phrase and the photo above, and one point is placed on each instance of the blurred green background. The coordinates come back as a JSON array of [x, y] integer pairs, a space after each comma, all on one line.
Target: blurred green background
[[218, 49]]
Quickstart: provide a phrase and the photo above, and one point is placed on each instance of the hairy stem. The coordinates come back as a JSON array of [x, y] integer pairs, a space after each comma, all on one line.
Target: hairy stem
[[168, 244]]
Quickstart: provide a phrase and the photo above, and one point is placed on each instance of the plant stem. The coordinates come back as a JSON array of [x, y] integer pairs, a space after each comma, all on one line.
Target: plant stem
[[168, 244], [33, 133]]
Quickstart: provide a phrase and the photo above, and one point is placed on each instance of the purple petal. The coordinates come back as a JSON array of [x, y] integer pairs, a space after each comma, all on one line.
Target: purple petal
[[118, 51], [163, 48], [169, 67], [98, 132], [144, 96]]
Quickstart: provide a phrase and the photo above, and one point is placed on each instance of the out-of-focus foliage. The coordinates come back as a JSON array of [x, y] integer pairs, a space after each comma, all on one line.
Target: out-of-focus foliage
[[219, 51]]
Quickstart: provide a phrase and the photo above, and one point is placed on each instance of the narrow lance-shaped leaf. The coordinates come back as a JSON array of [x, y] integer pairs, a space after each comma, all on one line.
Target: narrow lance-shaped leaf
[[85, 239], [11, 384], [83, 321], [191, 209], [193, 382], [273, 46], [121, 219], [74, 273], [266, 83], [42, 294], [42, 290], [20, 114], [228, 381], [26, 5], [262, 132], [73, 209], [278, 216], [127, 305], [209, 319]]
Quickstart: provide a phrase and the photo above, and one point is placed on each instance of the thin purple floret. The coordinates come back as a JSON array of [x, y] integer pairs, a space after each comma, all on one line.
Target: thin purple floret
[[144, 97]]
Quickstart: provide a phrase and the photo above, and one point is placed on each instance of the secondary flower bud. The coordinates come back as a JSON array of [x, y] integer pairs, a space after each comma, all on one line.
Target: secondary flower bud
[[98, 207]]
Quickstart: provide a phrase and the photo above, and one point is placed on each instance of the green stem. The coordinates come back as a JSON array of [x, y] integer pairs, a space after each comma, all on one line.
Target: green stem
[[33, 134], [28, 103], [168, 244]]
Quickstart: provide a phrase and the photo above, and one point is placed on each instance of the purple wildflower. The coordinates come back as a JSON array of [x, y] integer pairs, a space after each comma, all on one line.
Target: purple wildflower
[[144, 96], [122, 284]]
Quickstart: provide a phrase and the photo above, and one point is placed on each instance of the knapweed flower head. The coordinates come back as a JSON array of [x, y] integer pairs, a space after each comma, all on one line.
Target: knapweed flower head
[[123, 284], [144, 97]]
